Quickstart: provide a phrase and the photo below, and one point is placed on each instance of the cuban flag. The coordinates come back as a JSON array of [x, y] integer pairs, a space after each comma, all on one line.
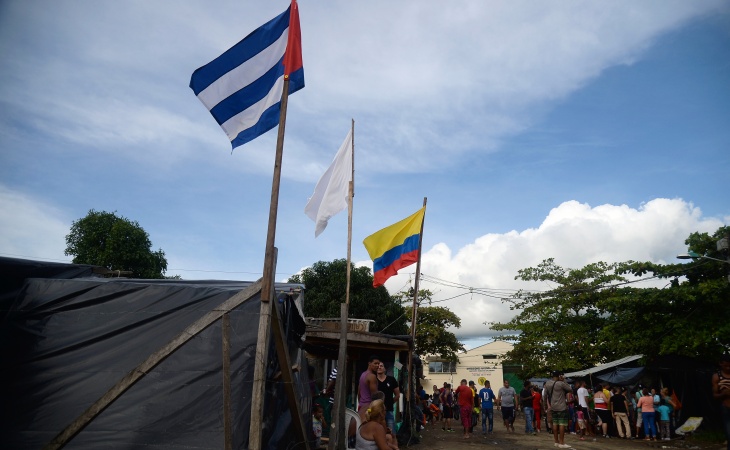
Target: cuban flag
[[242, 88]]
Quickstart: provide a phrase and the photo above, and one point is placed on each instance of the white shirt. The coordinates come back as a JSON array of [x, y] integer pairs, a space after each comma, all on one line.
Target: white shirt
[[582, 395]]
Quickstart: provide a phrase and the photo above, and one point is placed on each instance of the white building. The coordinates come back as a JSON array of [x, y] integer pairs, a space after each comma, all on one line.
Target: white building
[[478, 364]]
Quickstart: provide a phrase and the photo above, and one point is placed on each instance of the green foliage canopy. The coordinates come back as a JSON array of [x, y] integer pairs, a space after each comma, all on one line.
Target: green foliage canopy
[[594, 314], [104, 239], [432, 338], [559, 328], [325, 284]]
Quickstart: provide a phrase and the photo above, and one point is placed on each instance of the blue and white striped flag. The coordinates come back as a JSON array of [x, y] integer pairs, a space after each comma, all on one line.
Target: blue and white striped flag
[[242, 88]]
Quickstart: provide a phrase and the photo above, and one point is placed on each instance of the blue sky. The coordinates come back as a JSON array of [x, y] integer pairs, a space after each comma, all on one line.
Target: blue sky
[[582, 131]]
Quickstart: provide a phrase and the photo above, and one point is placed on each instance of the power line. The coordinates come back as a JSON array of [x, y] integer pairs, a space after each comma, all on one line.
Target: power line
[[496, 293], [506, 294]]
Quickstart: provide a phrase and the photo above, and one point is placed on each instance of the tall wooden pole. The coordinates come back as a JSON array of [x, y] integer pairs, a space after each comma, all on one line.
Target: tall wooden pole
[[227, 422], [414, 312], [350, 197], [267, 289], [338, 439]]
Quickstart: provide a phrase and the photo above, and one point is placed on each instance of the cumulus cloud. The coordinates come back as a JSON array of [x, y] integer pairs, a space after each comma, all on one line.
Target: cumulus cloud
[[573, 233], [31, 228]]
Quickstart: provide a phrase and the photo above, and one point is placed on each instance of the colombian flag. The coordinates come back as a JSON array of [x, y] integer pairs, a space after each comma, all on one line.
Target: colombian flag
[[394, 247]]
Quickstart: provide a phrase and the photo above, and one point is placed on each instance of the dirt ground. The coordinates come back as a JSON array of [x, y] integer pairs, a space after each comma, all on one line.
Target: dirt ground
[[434, 438]]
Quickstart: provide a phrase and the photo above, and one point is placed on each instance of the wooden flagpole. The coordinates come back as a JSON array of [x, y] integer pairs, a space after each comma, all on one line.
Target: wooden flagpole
[[267, 289], [414, 313], [339, 440], [226, 347]]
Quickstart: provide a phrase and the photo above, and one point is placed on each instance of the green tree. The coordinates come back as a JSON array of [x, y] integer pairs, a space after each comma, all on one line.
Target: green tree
[[104, 239], [594, 314], [559, 328], [325, 284], [705, 244], [432, 338], [688, 317]]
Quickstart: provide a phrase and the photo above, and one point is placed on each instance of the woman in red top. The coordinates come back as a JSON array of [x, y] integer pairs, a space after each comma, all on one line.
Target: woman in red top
[[537, 407], [600, 402]]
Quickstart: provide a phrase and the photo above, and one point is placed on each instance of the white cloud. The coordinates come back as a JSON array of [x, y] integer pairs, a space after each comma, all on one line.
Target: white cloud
[[575, 234], [477, 71], [31, 228]]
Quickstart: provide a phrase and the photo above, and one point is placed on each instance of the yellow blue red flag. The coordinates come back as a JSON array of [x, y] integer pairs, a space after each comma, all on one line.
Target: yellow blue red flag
[[395, 247]]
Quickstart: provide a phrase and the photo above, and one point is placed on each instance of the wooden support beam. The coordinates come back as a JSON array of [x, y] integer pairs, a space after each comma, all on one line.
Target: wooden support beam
[[338, 433], [356, 340], [226, 344], [148, 364], [255, 428], [282, 352]]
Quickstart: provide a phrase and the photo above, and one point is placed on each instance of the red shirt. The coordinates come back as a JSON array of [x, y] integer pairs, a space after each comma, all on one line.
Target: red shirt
[[465, 395], [536, 398]]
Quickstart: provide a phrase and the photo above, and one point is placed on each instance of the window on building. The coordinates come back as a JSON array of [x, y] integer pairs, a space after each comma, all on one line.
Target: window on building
[[442, 367], [489, 356]]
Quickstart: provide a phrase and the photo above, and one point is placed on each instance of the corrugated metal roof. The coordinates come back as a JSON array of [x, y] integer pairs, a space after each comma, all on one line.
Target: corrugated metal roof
[[602, 367]]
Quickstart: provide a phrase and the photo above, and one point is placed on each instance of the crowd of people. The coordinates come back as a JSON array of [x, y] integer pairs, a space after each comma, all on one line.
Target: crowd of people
[[465, 404], [578, 409], [598, 411]]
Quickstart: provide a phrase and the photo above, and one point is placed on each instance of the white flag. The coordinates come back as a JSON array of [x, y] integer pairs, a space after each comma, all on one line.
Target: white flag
[[330, 194]]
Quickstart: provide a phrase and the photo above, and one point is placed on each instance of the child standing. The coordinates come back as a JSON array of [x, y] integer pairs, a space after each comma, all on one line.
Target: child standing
[[317, 423], [581, 428], [663, 411]]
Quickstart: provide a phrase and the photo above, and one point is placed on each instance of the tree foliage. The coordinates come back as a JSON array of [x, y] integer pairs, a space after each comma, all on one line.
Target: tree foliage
[[559, 328], [104, 239], [325, 284], [595, 315], [432, 337]]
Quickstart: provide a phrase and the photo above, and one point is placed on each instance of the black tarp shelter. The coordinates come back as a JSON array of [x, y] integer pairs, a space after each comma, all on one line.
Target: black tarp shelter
[[689, 378], [622, 376], [67, 337], [605, 368]]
